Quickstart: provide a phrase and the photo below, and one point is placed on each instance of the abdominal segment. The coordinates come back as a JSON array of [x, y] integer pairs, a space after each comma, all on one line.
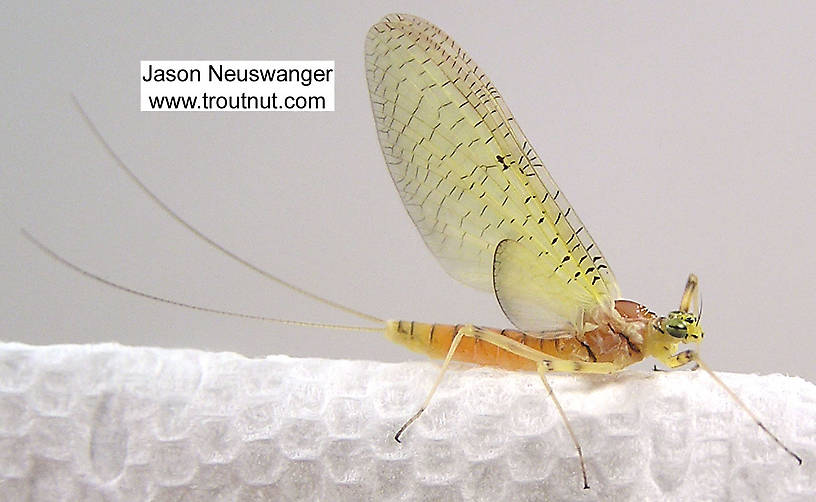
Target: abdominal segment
[[434, 340]]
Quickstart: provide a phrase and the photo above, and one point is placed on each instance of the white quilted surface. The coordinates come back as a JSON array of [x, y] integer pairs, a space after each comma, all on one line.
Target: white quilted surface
[[106, 422]]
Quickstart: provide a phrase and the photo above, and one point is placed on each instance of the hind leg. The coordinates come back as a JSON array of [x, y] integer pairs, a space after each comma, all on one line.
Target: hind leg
[[545, 363]]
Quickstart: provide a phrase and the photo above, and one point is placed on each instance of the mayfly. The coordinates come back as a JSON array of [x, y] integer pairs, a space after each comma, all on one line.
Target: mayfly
[[490, 212]]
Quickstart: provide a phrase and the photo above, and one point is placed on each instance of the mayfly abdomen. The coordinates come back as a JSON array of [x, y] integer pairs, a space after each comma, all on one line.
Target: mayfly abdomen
[[434, 340], [602, 344]]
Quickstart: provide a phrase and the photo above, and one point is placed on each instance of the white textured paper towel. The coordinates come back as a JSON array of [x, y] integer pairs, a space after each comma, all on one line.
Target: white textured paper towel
[[107, 422]]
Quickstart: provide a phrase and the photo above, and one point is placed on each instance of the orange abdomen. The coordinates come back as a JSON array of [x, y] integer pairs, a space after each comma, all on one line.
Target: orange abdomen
[[600, 345]]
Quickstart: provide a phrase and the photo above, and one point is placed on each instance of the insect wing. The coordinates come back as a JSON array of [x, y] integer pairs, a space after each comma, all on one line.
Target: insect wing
[[466, 174], [524, 283]]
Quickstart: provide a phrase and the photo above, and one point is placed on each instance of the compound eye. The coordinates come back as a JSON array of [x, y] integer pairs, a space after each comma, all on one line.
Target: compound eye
[[677, 328]]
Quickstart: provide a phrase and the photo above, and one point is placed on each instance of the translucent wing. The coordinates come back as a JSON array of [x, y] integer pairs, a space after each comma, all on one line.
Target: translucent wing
[[468, 177], [524, 283]]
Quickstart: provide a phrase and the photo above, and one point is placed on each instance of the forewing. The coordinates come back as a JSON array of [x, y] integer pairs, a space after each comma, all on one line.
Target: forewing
[[464, 170]]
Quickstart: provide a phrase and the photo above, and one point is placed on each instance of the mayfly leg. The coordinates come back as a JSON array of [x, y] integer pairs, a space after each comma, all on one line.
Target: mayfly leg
[[542, 372], [545, 363], [688, 356], [465, 330]]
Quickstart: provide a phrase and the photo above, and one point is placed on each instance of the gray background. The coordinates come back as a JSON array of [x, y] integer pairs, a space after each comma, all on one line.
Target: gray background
[[682, 133]]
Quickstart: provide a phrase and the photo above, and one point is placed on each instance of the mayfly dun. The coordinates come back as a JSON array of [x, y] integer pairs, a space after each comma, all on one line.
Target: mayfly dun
[[493, 216]]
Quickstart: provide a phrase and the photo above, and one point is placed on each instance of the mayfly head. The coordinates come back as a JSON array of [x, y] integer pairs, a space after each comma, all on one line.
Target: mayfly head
[[683, 326]]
